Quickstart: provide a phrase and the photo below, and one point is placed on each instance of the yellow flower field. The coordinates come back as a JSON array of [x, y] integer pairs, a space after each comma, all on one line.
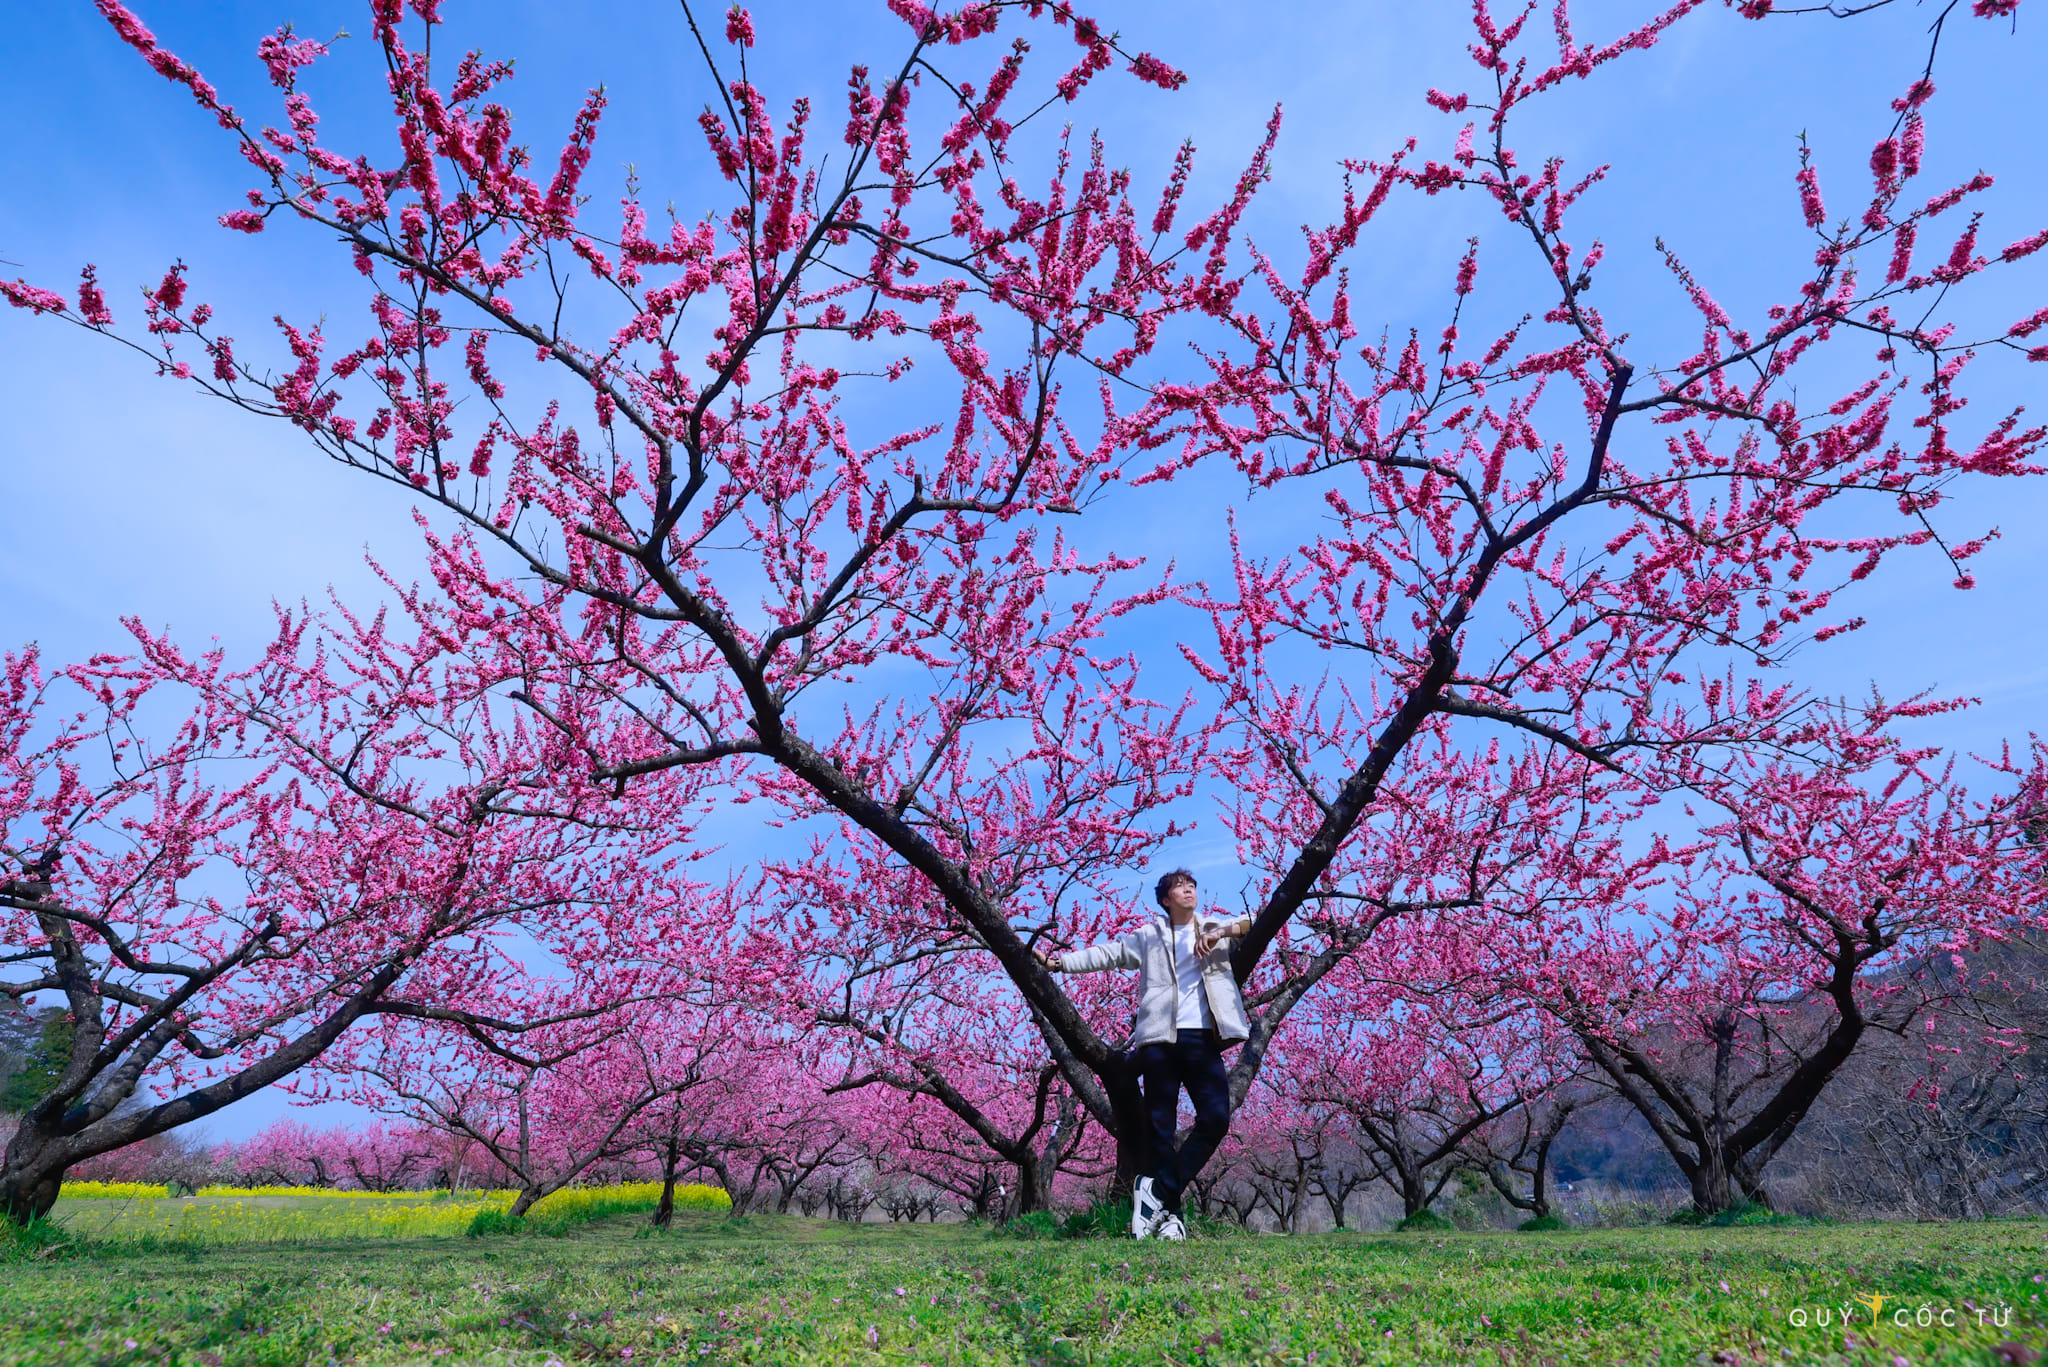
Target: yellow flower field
[[219, 1215]]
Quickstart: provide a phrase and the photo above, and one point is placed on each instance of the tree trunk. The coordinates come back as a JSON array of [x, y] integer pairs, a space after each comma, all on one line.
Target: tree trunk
[[1719, 1183], [665, 1211], [1537, 1202], [32, 1174], [1034, 1190], [984, 1198], [1751, 1184], [1712, 1191], [705, 1156], [1414, 1193]]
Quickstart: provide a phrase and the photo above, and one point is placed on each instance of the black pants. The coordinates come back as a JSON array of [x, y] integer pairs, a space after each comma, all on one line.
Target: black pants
[[1194, 1061]]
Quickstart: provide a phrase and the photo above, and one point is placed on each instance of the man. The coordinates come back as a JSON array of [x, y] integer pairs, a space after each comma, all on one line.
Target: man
[[1189, 1009]]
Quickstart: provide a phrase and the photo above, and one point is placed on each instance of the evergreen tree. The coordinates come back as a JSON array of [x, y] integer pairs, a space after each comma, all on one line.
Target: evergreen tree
[[35, 1076]]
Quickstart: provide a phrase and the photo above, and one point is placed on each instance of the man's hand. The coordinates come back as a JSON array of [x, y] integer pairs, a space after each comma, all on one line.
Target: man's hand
[[1048, 956], [1215, 933]]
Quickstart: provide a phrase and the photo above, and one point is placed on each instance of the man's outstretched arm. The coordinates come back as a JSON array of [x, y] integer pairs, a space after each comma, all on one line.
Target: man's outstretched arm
[[1095, 958]]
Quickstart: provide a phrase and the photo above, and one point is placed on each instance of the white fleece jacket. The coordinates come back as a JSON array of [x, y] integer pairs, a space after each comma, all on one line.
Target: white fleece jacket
[[1149, 949]]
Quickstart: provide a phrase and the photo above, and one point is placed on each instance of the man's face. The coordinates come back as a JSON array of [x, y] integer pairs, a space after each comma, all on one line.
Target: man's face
[[1182, 898]]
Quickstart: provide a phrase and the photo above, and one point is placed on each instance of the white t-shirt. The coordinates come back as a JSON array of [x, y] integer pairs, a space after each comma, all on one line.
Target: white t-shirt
[[1194, 1013]]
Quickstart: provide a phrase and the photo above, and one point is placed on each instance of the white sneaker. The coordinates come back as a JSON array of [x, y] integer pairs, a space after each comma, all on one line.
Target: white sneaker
[[1146, 1209], [1172, 1230]]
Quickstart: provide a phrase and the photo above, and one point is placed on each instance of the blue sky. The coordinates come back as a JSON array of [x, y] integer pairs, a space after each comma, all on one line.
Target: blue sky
[[126, 494]]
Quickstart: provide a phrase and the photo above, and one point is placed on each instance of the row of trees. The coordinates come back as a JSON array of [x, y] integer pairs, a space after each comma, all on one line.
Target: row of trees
[[1716, 987], [1495, 699], [1431, 1116]]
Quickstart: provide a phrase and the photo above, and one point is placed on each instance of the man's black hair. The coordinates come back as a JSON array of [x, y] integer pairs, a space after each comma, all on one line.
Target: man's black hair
[[1167, 880]]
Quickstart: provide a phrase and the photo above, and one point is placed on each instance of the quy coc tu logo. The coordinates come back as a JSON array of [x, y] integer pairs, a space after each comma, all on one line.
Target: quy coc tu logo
[[1925, 1315]]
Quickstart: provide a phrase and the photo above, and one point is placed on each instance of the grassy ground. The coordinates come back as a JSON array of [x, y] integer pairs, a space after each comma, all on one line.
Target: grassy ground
[[765, 1290]]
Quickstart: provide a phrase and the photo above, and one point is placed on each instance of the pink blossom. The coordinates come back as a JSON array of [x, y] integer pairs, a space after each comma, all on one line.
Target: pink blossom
[[1902, 253], [1809, 197], [1468, 266], [2029, 325], [1152, 71], [166, 64], [1917, 94], [283, 56], [34, 298], [2026, 246], [92, 304]]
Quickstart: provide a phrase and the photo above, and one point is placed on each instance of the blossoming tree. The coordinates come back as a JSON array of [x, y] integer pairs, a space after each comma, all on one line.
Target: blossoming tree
[[1720, 986], [219, 872]]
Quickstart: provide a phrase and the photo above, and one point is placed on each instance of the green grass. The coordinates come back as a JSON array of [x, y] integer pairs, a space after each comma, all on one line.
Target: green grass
[[768, 1290]]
